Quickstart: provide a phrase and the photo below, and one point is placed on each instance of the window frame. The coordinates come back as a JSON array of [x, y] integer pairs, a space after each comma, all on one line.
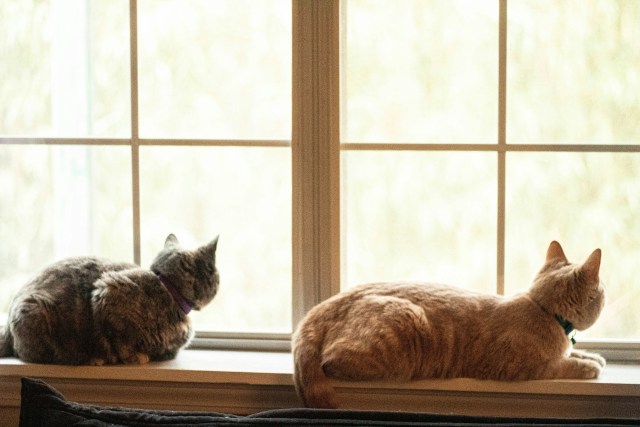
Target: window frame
[[316, 148], [611, 349]]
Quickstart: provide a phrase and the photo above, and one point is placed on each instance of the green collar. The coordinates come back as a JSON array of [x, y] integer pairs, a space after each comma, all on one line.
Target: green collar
[[568, 328]]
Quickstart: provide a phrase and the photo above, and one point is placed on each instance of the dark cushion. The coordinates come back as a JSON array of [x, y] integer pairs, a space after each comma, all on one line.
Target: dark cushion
[[42, 405]]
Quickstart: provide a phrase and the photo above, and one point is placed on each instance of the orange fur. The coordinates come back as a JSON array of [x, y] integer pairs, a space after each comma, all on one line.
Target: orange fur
[[404, 331]]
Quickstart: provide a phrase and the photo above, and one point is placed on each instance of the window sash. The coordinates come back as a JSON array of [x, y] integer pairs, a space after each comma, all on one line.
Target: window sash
[[613, 350]]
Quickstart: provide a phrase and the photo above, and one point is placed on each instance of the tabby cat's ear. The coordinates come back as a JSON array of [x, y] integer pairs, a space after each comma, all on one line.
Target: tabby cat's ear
[[171, 240], [555, 251], [591, 267], [210, 249]]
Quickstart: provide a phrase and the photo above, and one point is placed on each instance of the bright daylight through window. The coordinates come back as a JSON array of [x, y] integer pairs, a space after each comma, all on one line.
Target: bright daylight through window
[[473, 132]]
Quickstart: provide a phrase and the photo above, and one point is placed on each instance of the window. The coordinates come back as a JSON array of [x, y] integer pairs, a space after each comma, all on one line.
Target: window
[[125, 121], [328, 143], [466, 152]]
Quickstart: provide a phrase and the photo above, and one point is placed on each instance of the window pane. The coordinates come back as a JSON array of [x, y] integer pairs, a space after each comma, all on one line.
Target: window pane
[[215, 69], [243, 194], [573, 73], [57, 202], [412, 75], [585, 201], [65, 68], [420, 216]]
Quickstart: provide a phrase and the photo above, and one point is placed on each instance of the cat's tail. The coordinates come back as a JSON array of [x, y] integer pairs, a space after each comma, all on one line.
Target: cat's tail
[[6, 342], [312, 384]]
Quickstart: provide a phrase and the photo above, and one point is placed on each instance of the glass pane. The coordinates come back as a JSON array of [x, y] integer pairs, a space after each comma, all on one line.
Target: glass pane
[[243, 194], [585, 201], [420, 216], [65, 68], [215, 69], [412, 75], [573, 73], [57, 202]]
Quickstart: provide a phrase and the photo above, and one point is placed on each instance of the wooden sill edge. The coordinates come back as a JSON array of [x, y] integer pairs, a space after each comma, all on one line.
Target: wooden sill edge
[[275, 369]]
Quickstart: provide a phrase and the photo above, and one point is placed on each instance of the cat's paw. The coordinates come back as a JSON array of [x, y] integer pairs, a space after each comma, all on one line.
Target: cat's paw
[[598, 359], [96, 362], [137, 359], [101, 361], [142, 358], [589, 356], [573, 368], [128, 355], [589, 369]]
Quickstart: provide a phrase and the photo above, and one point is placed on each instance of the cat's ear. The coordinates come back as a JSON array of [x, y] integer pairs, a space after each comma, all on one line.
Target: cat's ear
[[591, 267], [209, 250], [214, 244], [171, 240], [555, 251]]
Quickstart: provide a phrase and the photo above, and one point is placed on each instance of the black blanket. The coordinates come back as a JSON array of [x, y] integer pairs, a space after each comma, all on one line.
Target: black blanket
[[42, 405]]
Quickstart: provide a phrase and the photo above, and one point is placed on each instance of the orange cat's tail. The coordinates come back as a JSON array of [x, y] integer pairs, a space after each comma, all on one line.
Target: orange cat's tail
[[312, 384]]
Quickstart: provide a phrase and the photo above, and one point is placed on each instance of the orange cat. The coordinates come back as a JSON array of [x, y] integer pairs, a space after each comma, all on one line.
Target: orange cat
[[406, 331]]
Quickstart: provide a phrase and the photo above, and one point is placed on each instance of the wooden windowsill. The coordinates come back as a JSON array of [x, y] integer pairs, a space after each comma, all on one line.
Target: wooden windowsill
[[250, 381]]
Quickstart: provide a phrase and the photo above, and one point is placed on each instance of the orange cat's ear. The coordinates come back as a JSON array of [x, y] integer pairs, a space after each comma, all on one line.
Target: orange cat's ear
[[555, 251], [591, 266]]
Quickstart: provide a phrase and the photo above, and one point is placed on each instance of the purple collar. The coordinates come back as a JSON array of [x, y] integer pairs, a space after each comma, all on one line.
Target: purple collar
[[184, 303]]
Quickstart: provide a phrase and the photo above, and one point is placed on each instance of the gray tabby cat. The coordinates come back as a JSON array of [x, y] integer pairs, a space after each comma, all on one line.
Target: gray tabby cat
[[87, 310]]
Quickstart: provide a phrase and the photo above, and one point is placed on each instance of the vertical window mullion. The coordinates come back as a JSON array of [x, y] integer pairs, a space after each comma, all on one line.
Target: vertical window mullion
[[315, 154], [135, 141], [502, 144]]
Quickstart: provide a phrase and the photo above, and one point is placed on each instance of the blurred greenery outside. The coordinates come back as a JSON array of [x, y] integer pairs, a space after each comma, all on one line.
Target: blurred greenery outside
[[414, 71]]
